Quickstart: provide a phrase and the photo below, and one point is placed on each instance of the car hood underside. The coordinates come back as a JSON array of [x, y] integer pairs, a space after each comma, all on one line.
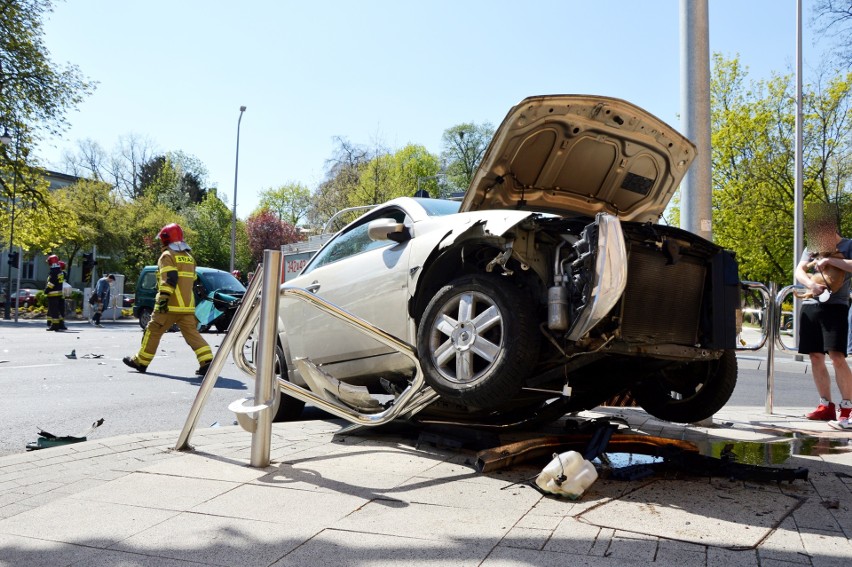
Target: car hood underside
[[581, 155]]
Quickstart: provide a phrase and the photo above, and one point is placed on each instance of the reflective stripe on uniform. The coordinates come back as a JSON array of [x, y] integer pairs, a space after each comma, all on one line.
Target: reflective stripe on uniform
[[204, 354]]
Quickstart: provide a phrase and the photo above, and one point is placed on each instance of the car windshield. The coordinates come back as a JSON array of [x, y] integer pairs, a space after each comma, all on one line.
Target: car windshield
[[223, 281], [438, 207]]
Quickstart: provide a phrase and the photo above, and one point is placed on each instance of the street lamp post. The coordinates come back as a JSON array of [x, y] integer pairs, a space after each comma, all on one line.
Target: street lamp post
[[236, 170], [6, 139]]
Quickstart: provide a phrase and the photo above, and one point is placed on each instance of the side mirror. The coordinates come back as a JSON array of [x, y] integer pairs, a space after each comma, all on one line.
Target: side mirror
[[388, 229]]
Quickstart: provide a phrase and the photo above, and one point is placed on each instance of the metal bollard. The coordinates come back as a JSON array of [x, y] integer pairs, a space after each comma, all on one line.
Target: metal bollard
[[773, 320], [264, 385]]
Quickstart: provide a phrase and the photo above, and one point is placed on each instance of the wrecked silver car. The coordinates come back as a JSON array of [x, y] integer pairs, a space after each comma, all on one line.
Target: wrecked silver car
[[548, 289]]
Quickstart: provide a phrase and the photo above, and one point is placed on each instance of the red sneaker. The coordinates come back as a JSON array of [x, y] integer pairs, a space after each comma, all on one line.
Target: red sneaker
[[844, 413], [823, 413]]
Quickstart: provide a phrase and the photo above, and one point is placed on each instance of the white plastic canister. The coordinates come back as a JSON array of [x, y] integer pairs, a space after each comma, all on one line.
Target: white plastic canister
[[568, 474]]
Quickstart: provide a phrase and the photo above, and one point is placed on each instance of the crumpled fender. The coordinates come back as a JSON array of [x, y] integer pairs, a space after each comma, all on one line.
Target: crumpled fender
[[479, 225]]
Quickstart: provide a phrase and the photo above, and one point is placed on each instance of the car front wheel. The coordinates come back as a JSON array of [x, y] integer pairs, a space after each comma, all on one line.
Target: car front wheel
[[689, 392], [477, 340]]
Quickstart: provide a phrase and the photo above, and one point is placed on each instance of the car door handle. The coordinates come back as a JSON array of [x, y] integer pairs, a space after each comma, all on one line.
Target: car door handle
[[313, 287]]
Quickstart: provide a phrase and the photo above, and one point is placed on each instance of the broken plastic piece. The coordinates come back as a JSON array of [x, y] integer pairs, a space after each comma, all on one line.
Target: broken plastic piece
[[47, 439]]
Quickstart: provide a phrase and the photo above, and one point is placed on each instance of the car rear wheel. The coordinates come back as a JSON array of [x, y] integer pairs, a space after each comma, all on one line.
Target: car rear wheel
[[144, 317], [689, 392], [477, 340]]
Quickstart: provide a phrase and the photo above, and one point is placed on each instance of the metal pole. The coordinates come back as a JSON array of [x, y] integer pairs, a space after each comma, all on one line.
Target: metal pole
[[93, 279], [18, 282], [798, 240], [236, 171], [695, 214], [8, 305], [264, 385], [772, 322]]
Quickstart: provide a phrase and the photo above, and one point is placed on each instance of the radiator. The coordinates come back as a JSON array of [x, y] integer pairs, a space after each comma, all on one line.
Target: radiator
[[662, 303]]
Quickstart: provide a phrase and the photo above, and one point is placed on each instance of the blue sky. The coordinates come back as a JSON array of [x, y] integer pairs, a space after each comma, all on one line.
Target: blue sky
[[392, 72]]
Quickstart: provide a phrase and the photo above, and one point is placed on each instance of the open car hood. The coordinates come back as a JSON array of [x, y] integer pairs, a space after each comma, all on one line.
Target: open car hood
[[581, 155]]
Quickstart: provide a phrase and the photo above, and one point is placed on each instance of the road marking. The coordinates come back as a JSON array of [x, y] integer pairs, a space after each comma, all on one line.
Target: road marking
[[29, 366]]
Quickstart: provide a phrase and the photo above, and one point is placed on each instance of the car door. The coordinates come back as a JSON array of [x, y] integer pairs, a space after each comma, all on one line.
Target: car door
[[369, 279]]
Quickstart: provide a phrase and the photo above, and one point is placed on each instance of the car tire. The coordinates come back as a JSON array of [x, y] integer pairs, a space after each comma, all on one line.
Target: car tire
[[478, 341], [289, 408], [690, 392], [223, 322], [144, 317]]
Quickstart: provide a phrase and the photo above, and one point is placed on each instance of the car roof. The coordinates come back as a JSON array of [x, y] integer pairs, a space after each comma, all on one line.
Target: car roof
[[201, 269]]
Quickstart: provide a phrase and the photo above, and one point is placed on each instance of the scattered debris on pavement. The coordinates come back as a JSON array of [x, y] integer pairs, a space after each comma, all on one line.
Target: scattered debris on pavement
[[47, 439]]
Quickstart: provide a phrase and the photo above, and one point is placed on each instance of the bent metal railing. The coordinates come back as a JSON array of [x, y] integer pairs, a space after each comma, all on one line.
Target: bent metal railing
[[259, 311], [257, 417]]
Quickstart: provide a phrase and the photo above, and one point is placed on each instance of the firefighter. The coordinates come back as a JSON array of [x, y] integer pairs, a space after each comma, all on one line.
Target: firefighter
[[65, 292], [174, 303], [53, 291]]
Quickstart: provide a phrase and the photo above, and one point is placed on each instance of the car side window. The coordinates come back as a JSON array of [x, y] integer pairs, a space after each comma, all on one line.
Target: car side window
[[150, 281], [356, 240]]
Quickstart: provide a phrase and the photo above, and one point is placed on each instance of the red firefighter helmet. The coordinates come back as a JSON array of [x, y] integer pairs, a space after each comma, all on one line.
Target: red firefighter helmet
[[61, 265], [170, 233], [52, 259], [236, 274]]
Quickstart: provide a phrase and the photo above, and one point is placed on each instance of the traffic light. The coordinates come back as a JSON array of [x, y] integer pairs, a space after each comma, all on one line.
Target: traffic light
[[13, 259], [88, 264]]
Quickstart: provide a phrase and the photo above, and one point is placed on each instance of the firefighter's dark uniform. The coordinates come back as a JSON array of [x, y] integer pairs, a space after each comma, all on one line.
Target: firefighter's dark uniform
[[176, 276], [55, 300]]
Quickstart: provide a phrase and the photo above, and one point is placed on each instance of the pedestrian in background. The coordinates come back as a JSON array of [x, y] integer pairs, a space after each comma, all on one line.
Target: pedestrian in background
[[101, 297], [55, 299], [174, 303], [824, 325]]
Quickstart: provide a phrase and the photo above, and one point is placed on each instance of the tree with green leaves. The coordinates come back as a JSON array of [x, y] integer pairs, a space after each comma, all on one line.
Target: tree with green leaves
[[41, 221], [35, 92], [93, 217], [393, 175], [290, 202], [753, 161], [463, 147], [175, 179], [142, 220], [210, 220]]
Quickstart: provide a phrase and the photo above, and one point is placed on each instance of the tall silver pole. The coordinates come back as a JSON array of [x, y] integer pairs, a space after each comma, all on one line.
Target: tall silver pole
[[18, 283], [12, 229], [236, 171], [695, 213], [798, 239], [264, 385]]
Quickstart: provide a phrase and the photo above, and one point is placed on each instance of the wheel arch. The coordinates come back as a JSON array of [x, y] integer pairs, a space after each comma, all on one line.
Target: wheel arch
[[461, 258]]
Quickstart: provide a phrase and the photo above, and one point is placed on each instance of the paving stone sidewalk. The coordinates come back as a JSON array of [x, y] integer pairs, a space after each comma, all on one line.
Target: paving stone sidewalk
[[382, 499]]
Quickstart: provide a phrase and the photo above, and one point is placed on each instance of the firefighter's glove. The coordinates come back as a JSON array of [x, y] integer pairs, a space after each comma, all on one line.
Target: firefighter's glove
[[162, 304]]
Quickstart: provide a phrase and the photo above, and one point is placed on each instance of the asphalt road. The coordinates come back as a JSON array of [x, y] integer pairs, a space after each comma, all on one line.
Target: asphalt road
[[43, 389]]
